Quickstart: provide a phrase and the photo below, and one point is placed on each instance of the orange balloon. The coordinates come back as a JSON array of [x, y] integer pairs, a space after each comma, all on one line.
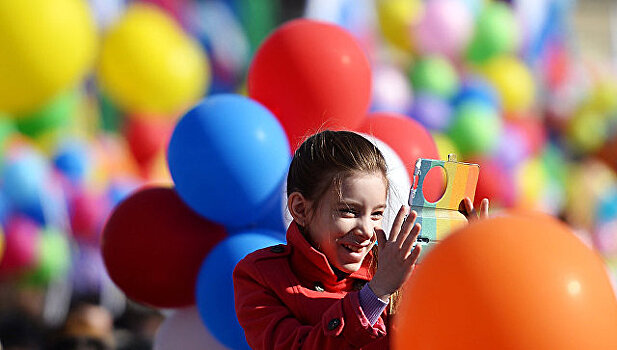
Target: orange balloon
[[512, 282]]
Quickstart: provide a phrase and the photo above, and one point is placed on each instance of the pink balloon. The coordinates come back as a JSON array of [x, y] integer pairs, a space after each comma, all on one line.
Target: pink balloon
[[21, 245], [184, 330], [445, 28]]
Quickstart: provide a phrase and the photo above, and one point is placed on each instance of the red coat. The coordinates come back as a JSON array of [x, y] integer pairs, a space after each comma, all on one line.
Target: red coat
[[288, 297]]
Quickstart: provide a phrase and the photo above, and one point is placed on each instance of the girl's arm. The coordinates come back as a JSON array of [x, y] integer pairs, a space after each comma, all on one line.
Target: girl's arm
[[269, 324]]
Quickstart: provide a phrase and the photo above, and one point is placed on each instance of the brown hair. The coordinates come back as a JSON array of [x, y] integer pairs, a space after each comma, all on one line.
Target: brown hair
[[324, 159]]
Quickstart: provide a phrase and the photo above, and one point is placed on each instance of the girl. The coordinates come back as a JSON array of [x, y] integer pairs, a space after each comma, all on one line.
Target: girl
[[329, 286]]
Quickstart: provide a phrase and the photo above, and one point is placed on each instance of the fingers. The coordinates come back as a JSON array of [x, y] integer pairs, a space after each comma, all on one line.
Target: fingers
[[407, 228], [398, 223], [484, 209], [411, 239], [413, 257], [381, 237]]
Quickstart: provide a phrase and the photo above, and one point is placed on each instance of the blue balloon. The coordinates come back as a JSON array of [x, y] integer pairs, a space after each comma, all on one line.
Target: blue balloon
[[227, 157], [431, 111], [72, 160], [477, 89], [214, 289], [24, 177]]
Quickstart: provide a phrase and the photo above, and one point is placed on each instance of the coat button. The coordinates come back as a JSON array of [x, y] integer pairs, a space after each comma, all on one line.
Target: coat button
[[335, 322], [277, 248], [318, 286]]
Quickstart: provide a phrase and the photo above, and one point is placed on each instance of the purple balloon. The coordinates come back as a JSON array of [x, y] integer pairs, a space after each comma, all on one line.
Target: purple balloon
[[432, 112]]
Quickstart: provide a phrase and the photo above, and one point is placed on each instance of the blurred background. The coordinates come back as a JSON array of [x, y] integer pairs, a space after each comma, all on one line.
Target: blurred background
[[91, 93]]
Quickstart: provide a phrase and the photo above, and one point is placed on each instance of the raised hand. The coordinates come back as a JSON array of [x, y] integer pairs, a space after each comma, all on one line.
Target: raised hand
[[466, 208], [396, 254]]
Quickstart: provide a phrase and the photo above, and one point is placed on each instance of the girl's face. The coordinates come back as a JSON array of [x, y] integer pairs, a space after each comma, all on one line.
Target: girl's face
[[344, 229]]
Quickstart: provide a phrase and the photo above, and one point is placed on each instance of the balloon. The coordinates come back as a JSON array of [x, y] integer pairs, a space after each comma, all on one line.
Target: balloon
[[399, 183], [214, 291], [408, 139], [496, 32], [35, 71], [148, 64], [475, 128], [396, 18], [391, 90], [21, 241], [512, 79], [183, 329], [513, 282], [227, 157], [87, 269], [496, 183], [311, 75], [87, 214], [146, 139], [477, 89], [73, 159], [434, 75], [445, 146], [531, 181], [587, 131], [24, 176], [153, 245], [56, 114], [433, 112], [445, 28], [106, 12], [54, 258]]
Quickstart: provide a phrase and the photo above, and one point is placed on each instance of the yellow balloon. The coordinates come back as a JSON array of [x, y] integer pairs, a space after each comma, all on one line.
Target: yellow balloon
[[149, 65], [531, 179], [587, 130], [396, 20], [45, 47], [512, 80], [445, 146]]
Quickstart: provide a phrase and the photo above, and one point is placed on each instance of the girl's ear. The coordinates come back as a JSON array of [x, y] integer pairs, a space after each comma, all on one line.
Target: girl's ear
[[298, 208]]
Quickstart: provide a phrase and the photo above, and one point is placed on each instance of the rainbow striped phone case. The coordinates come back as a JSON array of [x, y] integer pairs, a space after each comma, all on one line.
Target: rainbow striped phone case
[[440, 218]]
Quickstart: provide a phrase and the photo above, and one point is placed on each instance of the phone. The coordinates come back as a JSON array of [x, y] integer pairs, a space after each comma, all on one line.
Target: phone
[[440, 218]]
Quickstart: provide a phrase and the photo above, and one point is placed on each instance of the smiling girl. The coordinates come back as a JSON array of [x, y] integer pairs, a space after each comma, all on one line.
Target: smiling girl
[[330, 285]]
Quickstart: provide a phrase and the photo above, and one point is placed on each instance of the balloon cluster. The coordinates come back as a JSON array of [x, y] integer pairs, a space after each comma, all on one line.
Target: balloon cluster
[[150, 144]]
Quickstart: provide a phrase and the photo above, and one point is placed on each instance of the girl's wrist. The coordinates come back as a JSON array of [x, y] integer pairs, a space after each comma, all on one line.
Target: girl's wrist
[[379, 293]]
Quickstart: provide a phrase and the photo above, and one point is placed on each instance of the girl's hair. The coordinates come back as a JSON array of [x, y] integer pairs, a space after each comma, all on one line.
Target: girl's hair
[[326, 158]]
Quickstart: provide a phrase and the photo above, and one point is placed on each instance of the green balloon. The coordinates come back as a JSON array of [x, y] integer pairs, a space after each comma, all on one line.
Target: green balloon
[[435, 75], [57, 113], [476, 128], [7, 128], [259, 18], [495, 33], [54, 258], [111, 117]]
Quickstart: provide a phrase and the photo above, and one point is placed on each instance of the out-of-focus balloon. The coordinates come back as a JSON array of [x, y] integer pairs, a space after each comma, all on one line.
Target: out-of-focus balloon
[[431, 111], [587, 131], [227, 157], [496, 183], [445, 28], [73, 159], [87, 269], [477, 89], [311, 75], [531, 180], [57, 113], [107, 12], [496, 32], [148, 64], [391, 90], [513, 282], [408, 139], [398, 181], [54, 258], [512, 79], [22, 241], [35, 71], [214, 291], [24, 175], [396, 19], [475, 128], [445, 146], [153, 245], [184, 329], [87, 213], [434, 75], [146, 139]]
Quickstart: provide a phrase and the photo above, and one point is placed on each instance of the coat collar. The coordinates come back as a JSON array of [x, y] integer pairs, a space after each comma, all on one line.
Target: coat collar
[[311, 266]]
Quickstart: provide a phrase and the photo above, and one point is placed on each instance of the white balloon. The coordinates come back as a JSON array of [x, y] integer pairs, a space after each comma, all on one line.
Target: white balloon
[[398, 193], [184, 330]]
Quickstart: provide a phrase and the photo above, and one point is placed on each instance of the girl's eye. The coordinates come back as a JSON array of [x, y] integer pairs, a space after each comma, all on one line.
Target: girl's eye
[[377, 215], [348, 212]]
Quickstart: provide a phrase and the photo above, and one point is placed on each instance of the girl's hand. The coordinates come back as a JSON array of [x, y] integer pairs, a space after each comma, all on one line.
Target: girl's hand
[[466, 208], [396, 258]]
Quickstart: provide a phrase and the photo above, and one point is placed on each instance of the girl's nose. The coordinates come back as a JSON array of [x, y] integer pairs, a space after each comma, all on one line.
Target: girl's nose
[[366, 229]]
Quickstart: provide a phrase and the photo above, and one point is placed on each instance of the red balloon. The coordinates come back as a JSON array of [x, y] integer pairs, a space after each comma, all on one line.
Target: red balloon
[[496, 184], [153, 246], [87, 212], [410, 140], [311, 75], [146, 138]]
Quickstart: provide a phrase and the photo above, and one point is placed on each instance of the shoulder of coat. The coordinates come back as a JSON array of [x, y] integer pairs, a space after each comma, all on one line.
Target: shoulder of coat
[[272, 252]]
